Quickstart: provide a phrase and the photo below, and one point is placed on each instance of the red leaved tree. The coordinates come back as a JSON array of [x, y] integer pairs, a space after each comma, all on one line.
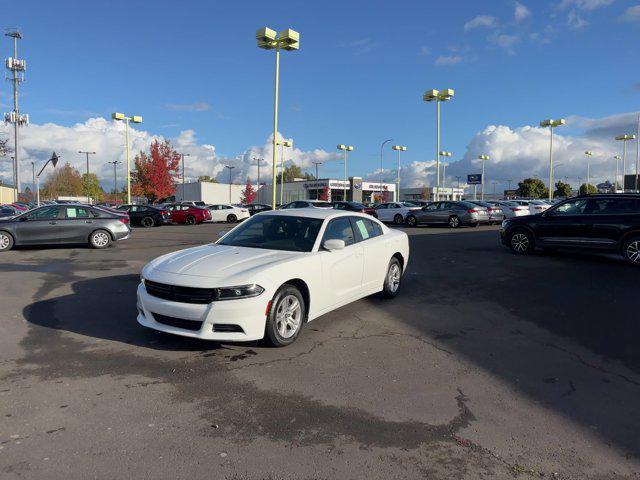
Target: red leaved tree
[[248, 195], [156, 171]]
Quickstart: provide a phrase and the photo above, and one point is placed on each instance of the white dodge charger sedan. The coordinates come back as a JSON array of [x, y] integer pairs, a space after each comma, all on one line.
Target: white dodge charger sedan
[[271, 274]]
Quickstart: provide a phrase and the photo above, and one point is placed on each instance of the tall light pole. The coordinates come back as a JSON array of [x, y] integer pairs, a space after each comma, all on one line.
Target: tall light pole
[[637, 155], [484, 158], [87, 154], [54, 161], [615, 182], [588, 154], [230, 168], [551, 124], [345, 149], [398, 148], [316, 164], [269, 40], [458, 179], [624, 139], [438, 96], [182, 155], [444, 165], [115, 178], [126, 119], [285, 143], [381, 163], [17, 68], [259, 160], [494, 183], [509, 181]]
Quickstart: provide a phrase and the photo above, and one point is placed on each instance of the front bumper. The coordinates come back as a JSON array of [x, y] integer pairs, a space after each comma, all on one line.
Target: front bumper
[[249, 314]]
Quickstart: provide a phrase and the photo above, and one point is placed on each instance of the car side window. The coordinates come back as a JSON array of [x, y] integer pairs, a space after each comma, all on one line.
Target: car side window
[[339, 206], [339, 229], [433, 206], [365, 228], [43, 213], [615, 206], [572, 207], [76, 212], [380, 207]]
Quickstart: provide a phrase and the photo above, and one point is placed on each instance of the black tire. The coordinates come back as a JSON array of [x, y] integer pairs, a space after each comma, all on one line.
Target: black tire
[[190, 220], [397, 219], [231, 218], [521, 241], [631, 251], [412, 221], [148, 222], [6, 241], [274, 333], [454, 221], [392, 279], [99, 239]]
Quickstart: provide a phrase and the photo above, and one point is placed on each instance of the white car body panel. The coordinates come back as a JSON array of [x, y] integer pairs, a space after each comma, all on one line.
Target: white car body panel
[[221, 215], [388, 214], [333, 278]]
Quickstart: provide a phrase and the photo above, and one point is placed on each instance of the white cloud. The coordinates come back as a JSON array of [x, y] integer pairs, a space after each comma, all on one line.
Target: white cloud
[[575, 20], [106, 137], [507, 42], [631, 14], [521, 11], [448, 60], [189, 107], [481, 21], [585, 4], [424, 51], [363, 45]]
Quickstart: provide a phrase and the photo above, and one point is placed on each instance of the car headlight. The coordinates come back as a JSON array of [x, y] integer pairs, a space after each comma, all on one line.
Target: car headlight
[[241, 291]]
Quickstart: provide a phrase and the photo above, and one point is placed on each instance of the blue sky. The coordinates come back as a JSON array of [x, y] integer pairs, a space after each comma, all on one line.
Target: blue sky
[[358, 77]]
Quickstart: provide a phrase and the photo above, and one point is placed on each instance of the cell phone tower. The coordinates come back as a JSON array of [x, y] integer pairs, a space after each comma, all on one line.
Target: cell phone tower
[[17, 68]]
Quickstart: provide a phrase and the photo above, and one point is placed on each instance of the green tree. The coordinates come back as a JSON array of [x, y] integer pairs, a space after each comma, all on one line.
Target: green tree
[[63, 181], [292, 172], [532, 188], [587, 189], [562, 190], [93, 184], [207, 178]]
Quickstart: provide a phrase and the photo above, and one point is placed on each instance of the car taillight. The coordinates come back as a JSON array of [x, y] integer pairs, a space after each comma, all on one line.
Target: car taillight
[[516, 209], [472, 211], [124, 220]]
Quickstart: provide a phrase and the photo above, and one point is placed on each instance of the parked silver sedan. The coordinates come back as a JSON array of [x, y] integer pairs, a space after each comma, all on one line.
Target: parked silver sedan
[[493, 208], [454, 214], [58, 224]]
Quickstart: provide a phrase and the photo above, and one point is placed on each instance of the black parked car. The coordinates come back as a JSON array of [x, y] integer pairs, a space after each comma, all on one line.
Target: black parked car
[[56, 224], [257, 208], [609, 222], [146, 215]]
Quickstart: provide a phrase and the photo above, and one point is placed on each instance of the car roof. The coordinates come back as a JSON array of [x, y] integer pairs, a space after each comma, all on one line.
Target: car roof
[[320, 213]]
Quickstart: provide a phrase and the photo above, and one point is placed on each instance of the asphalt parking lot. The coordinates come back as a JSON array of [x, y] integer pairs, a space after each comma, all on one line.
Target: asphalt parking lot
[[487, 365]]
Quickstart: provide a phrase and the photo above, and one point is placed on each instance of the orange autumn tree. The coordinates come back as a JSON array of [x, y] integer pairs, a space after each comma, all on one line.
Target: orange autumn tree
[[156, 171]]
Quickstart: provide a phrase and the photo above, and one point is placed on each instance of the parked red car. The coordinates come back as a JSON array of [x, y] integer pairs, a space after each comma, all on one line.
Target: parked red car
[[355, 207], [189, 214]]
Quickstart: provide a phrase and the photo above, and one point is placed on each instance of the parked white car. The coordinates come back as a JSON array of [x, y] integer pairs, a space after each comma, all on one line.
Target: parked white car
[[395, 212], [271, 274], [227, 213], [512, 209], [538, 206]]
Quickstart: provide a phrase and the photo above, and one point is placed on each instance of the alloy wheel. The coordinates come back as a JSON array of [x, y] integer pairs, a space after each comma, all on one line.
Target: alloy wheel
[[100, 239], [5, 241], [520, 242], [454, 222], [393, 277], [411, 221], [633, 251], [190, 220], [288, 316], [147, 222]]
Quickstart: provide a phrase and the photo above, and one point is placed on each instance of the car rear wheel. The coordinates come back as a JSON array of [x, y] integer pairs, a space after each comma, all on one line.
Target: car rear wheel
[[630, 250], [100, 239], [286, 315], [412, 221], [392, 279], [454, 221], [6, 241], [148, 222], [190, 220], [231, 218], [521, 242], [398, 219]]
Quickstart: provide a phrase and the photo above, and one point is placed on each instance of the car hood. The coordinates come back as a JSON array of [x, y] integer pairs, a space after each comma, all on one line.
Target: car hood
[[215, 261]]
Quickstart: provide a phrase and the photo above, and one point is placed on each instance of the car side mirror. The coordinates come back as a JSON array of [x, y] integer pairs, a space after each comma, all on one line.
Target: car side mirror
[[24, 219], [333, 244]]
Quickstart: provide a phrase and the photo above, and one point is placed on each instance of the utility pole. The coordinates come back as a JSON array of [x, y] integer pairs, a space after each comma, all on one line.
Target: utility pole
[[33, 176], [16, 66], [259, 160], [183, 155], [230, 168], [87, 154], [316, 164], [115, 177]]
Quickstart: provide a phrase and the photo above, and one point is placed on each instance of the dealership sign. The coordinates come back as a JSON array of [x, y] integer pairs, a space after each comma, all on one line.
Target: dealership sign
[[474, 179]]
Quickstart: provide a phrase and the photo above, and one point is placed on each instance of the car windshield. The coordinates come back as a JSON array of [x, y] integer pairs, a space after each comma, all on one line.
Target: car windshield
[[322, 204], [275, 232]]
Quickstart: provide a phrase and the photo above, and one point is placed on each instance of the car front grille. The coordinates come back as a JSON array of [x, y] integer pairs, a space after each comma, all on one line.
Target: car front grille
[[177, 293], [193, 325]]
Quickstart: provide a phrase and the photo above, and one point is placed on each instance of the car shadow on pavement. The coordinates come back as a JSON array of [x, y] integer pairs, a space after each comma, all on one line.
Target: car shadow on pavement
[[105, 308]]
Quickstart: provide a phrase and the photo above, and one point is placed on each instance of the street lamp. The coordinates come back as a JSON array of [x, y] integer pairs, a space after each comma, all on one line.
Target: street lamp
[[126, 119], [551, 124], [398, 148], [494, 183], [483, 158], [54, 161], [381, 166], [316, 164], [345, 149], [615, 182], [588, 154], [444, 167], [230, 168], [438, 96], [87, 154], [624, 139], [268, 40], [115, 179], [285, 143], [183, 155], [259, 160]]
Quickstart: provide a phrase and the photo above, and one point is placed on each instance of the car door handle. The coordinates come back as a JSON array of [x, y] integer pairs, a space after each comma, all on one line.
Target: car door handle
[[53, 223], [88, 221]]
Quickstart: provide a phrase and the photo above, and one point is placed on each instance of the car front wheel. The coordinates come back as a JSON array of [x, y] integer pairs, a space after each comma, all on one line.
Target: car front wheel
[[398, 219], [454, 221], [521, 242], [100, 239], [630, 250], [232, 218], [148, 222], [286, 315], [190, 220], [6, 241], [392, 279], [412, 221]]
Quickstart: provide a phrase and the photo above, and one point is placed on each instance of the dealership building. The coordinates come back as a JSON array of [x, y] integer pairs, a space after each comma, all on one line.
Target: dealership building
[[333, 190]]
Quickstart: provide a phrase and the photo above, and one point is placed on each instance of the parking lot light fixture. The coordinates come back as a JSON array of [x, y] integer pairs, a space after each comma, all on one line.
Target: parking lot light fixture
[[230, 167], [484, 158], [615, 182], [444, 165], [53, 161], [126, 119], [381, 163], [624, 139], [398, 148], [289, 144], [438, 96], [345, 149], [87, 155], [551, 124], [288, 40], [588, 154]]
